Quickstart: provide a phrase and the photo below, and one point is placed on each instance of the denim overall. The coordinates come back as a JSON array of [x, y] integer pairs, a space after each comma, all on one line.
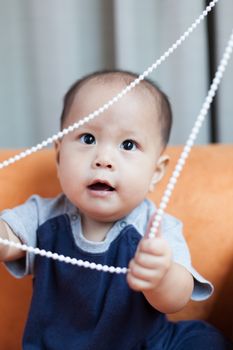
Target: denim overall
[[76, 308]]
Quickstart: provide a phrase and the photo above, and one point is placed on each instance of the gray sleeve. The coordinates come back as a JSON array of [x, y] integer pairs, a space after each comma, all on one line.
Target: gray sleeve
[[24, 221], [172, 231]]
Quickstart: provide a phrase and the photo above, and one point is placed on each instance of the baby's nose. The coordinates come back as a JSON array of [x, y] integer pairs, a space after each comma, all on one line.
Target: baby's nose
[[103, 159], [103, 163]]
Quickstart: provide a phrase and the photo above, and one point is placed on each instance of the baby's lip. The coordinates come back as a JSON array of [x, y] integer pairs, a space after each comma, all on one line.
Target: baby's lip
[[101, 185]]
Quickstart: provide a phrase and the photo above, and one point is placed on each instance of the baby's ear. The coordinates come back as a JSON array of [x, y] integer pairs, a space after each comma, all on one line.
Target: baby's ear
[[159, 172]]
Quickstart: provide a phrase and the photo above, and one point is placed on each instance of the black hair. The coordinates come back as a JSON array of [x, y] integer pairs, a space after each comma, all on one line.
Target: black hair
[[161, 99]]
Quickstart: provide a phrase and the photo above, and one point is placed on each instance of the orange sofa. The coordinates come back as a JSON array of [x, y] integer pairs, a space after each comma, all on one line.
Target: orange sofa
[[202, 199]]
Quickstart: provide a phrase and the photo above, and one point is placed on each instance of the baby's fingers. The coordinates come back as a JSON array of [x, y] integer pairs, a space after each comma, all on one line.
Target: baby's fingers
[[139, 278], [153, 246], [145, 260], [142, 272], [138, 284]]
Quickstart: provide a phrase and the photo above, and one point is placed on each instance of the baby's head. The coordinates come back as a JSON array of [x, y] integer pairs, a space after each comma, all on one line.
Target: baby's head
[[162, 106], [107, 166]]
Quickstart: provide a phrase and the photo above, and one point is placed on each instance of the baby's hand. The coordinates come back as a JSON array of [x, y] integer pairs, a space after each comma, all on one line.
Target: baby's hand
[[150, 264]]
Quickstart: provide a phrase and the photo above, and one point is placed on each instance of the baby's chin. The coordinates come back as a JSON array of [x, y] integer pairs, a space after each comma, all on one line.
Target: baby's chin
[[105, 218]]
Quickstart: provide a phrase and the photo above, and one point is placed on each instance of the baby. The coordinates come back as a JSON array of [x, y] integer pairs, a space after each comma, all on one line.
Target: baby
[[106, 168]]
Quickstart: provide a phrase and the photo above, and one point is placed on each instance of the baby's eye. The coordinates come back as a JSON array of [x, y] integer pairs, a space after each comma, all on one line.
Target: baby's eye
[[88, 139], [129, 145]]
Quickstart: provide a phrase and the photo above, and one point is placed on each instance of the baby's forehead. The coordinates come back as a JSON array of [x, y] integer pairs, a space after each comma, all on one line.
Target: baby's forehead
[[137, 104], [144, 91], [119, 80], [95, 88]]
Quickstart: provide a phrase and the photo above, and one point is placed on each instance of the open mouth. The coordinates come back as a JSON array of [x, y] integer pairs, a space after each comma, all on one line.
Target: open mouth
[[101, 186]]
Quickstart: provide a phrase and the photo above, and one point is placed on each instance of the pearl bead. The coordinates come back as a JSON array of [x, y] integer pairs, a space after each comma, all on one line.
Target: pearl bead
[[159, 211], [153, 230], [60, 134], [86, 119], [127, 89], [44, 143], [43, 252], [150, 69], [173, 180], [65, 131], [86, 264], [141, 77], [92, 266], [72, 261], [115, 99], [50, 140], [163, 205], [170, 186], [179, 167], [198, 124], [181, 161], [155, 223], [195, 130], [111, 269], [121, 94], [133, 84], [176, 173], [36, 250], [99, 267]]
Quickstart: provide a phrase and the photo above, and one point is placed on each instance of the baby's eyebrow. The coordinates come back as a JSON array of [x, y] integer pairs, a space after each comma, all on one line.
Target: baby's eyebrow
[[86, 126]]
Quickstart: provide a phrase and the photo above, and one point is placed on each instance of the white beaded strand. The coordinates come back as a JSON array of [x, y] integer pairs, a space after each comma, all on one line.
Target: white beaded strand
[[66, 259], [115, 99], [169, 188], [194, 132]]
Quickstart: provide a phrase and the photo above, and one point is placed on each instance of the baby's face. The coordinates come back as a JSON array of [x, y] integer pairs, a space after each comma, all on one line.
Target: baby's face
[[106, 166]]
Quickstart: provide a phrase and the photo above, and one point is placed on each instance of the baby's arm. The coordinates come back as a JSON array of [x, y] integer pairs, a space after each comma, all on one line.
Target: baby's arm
[[166, 285], [8, 253]]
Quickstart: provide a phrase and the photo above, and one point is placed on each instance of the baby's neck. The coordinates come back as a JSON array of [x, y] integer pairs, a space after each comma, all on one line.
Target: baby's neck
[[93, 230]]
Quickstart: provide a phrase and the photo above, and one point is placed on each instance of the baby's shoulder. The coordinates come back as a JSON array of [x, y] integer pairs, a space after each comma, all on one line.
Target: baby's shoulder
[[170, 222], [48, 207]]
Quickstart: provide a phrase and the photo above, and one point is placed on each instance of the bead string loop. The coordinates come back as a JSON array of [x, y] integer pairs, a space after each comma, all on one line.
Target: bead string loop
[[178, 168], [62, 258]]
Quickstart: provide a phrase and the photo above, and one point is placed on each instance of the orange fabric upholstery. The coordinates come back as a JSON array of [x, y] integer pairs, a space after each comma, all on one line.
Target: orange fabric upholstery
[[202, 199]]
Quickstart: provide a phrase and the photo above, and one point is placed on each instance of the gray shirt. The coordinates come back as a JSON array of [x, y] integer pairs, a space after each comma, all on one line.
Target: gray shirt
[[25, 219]]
